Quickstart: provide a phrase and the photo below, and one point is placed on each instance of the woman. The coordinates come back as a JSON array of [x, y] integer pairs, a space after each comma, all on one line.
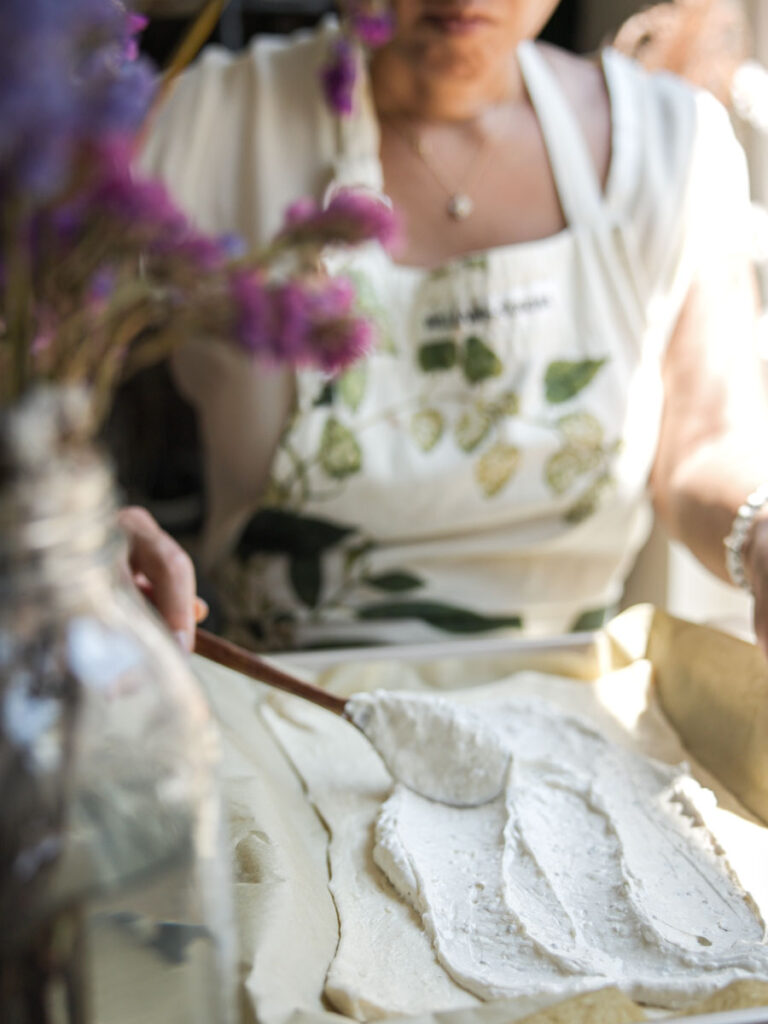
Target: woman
[[570, 319]]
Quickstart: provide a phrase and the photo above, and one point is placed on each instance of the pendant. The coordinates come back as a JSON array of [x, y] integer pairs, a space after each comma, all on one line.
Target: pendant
[[460, 206]]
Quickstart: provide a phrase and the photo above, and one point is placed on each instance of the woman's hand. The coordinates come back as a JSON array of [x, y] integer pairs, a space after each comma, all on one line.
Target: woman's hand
[[163, 572]]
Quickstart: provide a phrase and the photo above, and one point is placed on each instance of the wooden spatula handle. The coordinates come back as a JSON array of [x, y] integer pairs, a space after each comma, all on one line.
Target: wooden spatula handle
[[230, 655]]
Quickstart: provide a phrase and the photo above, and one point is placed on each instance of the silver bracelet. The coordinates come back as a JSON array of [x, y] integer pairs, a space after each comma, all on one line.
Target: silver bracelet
[[734, 542]]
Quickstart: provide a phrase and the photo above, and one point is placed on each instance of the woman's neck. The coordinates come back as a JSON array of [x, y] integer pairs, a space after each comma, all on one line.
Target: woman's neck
[[401, 89]]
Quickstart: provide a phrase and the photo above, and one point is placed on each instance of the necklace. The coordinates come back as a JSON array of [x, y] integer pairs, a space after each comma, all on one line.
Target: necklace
[[460, 204]]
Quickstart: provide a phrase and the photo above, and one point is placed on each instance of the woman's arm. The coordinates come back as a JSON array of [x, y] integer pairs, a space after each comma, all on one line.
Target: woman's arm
[[713, 448]]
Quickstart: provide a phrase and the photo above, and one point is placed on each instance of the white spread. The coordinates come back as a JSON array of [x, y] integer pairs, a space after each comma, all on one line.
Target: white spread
[[442, 751], [593, 867]]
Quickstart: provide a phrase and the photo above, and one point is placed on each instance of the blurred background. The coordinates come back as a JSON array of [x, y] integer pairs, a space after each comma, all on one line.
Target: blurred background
[[242, 19]]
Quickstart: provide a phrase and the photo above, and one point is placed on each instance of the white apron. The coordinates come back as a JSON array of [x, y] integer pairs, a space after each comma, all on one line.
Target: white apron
[[486, 467]]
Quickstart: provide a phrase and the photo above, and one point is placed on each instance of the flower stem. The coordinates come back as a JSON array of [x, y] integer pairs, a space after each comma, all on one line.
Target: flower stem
[[17, 301]]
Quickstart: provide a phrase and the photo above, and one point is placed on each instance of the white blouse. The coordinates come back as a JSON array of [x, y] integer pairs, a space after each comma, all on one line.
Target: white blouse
[[486, 467]]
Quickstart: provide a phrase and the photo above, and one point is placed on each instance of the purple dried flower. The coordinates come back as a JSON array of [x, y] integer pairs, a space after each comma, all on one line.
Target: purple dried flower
[[271, 320], [204, 253], [116, 103], [135, 25], [300, 323], [66, 222], [145, 210], [36, 144], [339, 344], [290, 323], [350, 218], [135, 201], [300, 211], [253, 323], [332, 300], [315, 326], [100, 287], [232, 247], [109, 253], [370, 23], [355, 216], [373, 29], [65, 81], [42, 341], [338, 77]]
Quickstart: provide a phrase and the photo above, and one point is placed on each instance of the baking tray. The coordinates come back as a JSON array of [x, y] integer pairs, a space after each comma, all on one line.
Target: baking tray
[[713, 688]]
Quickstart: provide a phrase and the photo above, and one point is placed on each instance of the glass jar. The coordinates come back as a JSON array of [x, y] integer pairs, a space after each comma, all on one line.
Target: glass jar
[[114, 883]]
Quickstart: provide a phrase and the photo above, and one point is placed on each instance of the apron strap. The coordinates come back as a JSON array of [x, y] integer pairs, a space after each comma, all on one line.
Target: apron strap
[[572, 166]]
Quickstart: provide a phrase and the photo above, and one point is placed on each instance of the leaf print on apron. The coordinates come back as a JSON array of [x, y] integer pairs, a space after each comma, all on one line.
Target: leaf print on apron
[[485, 468]]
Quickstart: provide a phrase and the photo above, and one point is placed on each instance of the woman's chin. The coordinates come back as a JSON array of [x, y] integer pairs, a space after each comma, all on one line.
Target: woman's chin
[[463, 52]]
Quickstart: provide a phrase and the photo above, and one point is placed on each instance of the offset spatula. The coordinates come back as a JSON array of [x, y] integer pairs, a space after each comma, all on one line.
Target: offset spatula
[[437, 748]]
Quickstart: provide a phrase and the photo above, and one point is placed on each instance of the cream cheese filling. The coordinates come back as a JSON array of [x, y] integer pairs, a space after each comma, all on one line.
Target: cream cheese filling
[[443, 752], [423, 951], [593, 867]]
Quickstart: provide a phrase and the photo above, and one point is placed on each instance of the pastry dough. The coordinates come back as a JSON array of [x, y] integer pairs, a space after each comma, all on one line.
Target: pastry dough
[[385, 964]]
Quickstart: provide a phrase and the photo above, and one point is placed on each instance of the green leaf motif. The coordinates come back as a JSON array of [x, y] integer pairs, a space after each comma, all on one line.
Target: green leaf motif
[[306, 580], [327, 394], [353, 554], [352, 386], [437, 356], [448, 617], [476, 261], [589, 458], [563, 469], [589, 502], [582, 428], [397, 582], [507, 404], [589, 621], [478, 361], [496, 468], [565, 379], [277, 531], [276, 493], [340, 454], [368, 304], [473, 427], [427, 428]]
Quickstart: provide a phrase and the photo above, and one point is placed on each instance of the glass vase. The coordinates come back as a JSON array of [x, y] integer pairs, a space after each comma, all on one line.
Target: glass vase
[[114, 881]]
